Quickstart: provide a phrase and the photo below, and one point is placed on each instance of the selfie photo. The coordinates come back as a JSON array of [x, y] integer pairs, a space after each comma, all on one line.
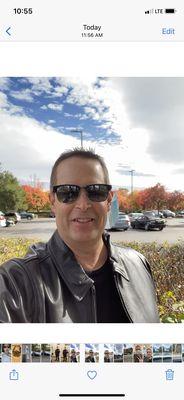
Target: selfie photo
[[91, 201]]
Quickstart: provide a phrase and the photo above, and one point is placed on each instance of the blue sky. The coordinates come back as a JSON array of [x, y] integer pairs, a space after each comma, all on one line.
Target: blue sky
[[55, 102], [134, 123]]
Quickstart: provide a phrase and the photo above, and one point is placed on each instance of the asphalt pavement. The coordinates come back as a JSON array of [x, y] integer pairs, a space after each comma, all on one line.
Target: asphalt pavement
[[42, 229]]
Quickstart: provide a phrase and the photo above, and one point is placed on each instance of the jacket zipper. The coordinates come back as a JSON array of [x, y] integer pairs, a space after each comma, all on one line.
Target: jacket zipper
[[121, 298], [94, 310]]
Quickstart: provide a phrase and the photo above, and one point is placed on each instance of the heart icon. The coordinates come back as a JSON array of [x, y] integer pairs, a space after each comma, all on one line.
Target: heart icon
[[91, 374]]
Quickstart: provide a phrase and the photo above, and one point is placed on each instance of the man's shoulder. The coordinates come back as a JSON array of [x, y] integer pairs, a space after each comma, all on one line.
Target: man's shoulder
[[35, 254], [127, 252], [129, 258]]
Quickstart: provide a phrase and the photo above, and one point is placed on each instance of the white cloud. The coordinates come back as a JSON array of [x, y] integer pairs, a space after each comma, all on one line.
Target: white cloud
[[39, 85], [5, 105], [3, 100], [25, 95], [53, 106], [101, 102], [4, 83], [28, 147], [45, 86]]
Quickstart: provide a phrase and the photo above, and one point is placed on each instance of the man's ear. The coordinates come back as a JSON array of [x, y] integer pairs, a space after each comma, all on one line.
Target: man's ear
[[52, 200], [109, 200]]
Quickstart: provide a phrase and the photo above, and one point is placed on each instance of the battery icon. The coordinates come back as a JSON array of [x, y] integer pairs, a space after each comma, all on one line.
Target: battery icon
[[170, 10]]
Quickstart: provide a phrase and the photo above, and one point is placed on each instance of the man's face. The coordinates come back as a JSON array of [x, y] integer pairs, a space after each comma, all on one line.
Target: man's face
[[149, 353], [138, 350], [82, 221]]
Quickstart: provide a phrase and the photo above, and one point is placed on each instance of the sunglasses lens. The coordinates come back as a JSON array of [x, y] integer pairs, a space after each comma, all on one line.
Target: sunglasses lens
[[97, 192], [67, 193], [70, 193]]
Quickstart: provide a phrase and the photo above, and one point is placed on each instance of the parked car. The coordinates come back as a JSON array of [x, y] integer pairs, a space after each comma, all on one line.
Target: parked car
[[36, 353], [122, 223], [154, 213], [26, 215], [148, 222], [158, 213], [13, 216], [180, 214], [168, 213], [2, 220], [10, 222], [134, 215]]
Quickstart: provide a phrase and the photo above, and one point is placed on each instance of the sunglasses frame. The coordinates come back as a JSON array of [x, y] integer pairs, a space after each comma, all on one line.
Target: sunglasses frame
[[108, 187]]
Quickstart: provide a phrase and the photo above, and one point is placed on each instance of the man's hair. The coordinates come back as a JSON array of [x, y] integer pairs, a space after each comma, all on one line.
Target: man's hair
[[80, 153]]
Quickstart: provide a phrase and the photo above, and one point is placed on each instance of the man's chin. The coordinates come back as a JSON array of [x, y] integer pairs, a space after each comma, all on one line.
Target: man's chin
[[84, 237]]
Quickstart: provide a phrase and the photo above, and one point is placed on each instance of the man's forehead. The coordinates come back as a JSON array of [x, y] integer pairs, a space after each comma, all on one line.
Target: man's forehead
[[77, 169]]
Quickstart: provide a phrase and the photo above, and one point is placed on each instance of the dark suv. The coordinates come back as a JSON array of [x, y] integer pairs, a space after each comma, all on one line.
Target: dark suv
[[26, 215]]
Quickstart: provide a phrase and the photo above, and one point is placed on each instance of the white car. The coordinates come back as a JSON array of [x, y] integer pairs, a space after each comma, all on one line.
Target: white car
[[122, 223], [2, 220]]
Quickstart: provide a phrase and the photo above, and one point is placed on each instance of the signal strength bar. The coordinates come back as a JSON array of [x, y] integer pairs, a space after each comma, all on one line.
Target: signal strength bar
[[149, 11]]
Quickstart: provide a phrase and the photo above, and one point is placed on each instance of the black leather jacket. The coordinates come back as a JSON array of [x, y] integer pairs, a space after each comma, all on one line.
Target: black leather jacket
[[48, 285]]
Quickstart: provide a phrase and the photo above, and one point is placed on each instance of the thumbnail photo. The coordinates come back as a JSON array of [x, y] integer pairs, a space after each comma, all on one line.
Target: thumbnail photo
[[65, 352], [158, 353], [6, 353], [92, 353], [74, 354], [128, 352], [138, 353], [26, 353], [108, 353], [45, 353], [147, 353], [36, 353], [177, 352], [56, 353], [118, 352], [91, 205], [16, 353]]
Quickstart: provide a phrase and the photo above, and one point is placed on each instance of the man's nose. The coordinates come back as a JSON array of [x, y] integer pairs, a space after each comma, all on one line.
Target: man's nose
[[83, 201]]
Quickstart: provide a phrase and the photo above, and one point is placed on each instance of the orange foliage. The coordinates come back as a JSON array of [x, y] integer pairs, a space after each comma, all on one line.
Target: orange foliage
[[153, 198], [36, 198]]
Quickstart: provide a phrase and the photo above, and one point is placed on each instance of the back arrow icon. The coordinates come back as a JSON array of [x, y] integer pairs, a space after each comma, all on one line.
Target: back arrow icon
[[7, 31]]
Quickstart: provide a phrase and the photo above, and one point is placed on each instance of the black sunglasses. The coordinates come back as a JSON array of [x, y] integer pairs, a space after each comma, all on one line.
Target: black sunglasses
[[70, 193]]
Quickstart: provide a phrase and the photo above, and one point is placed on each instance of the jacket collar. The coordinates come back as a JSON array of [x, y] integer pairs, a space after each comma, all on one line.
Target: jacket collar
[[74, 276]]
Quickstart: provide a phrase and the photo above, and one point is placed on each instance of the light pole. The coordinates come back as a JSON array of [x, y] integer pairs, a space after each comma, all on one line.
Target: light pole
[[81, 134], [132, 177]]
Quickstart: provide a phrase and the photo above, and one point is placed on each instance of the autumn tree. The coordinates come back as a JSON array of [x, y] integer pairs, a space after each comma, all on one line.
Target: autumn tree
[[134, 200], [36, 198], [122, 195], [154, 197], [175, 201]]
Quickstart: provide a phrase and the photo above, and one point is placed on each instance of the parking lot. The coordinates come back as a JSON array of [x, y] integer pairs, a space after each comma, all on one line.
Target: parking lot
[[42, 229]]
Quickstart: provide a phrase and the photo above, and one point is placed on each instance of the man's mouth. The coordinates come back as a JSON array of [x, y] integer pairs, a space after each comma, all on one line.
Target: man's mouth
[[83, 220]]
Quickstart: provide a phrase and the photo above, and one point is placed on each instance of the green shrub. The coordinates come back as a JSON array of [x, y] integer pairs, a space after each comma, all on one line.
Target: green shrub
[[167, 265]]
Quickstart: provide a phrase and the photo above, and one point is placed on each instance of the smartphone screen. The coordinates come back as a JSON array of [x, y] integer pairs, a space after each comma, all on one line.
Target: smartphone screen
[[91, 200]]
